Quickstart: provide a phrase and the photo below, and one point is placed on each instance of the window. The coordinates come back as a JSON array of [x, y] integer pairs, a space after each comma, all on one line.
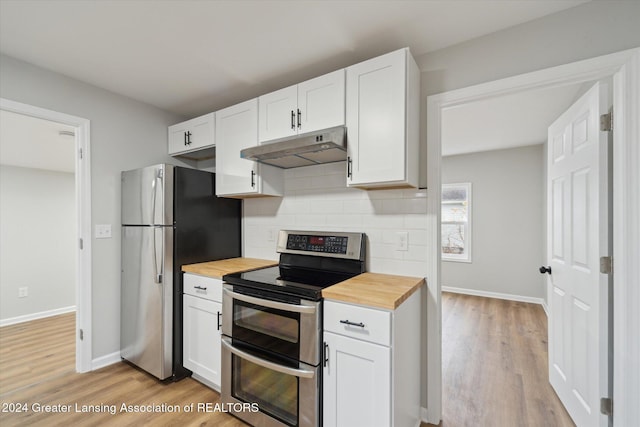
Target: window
[[456, 222]]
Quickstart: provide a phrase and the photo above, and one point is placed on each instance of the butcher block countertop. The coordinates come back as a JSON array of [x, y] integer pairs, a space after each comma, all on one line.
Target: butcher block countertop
[[375, 290], [217, 269]]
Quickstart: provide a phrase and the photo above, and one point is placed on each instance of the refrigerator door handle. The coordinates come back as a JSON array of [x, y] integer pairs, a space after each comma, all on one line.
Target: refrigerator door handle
[[158, 273], [157, 177]]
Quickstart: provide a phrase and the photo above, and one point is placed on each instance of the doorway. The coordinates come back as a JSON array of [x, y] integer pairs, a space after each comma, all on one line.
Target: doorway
[[498, 147], [624, 67], [77, 130]]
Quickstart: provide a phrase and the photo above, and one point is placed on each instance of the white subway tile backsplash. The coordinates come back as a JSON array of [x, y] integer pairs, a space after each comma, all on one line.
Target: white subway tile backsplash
[[358, 206], [317, 198], [415, 253], [417, 222], [328, 181], [383, 221], [385, 194], [297, 183]]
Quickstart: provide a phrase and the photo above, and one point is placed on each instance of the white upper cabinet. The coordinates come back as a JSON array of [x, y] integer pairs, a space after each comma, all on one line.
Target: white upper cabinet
[[278, 114], [192, 135], [306, 107], [237, 129], [382, 118]]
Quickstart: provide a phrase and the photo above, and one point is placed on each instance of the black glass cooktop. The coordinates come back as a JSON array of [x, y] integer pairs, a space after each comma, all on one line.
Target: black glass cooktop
[[302, 283]]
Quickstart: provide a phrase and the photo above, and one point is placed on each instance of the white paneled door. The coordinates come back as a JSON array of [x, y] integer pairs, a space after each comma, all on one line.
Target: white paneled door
[[578, 235]]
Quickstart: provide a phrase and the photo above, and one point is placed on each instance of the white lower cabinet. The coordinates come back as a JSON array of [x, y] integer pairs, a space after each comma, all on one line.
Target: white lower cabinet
[[371, 371], [202, 321], [357, 383]]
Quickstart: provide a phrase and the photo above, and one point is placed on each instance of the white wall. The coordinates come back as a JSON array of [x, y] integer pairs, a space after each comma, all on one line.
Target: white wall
[[507, 222], [37, 240], [125, 134], [317, 198], [582, 32]]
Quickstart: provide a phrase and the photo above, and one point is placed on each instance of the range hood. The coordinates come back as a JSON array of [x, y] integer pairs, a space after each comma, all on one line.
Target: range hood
[[313, 148]]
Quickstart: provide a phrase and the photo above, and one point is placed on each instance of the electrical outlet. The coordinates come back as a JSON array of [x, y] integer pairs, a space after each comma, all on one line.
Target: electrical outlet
[[103, 231], [23, 292], [402, 241], [271, 235]]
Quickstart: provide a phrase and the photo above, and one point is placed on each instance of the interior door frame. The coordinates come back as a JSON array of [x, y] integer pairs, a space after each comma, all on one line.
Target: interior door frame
[[624, 67], [83, 218]]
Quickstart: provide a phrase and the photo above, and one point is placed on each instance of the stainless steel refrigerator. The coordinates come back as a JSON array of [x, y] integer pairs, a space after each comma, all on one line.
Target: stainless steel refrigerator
[[170, 217]]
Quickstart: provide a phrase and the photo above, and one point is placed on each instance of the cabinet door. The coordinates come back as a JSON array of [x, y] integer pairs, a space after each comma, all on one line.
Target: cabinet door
[[177, 138], [321, 102], [202, 132], [236, 129], [277, 114], [357, 383], [202, 342], [375, 116], [192, 135]]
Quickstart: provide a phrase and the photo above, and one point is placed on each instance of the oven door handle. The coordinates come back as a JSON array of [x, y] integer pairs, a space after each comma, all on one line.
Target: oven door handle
[[303, 373], [306, 309]]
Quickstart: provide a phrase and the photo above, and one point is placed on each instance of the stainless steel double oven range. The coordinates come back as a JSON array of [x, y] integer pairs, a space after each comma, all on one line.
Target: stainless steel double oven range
[[272, 328]]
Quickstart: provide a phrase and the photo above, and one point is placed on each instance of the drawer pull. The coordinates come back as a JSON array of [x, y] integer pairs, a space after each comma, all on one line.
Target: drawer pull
[[200, 287], [346, 322]]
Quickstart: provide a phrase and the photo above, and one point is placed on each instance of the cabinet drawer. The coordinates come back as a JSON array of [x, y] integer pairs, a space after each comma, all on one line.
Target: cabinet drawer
[[366, 324], [203, 287]]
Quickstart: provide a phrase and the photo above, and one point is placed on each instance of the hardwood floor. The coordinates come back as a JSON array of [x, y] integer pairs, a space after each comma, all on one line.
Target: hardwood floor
[[33, 351], [494, 364], [37, 368], [494, 374]]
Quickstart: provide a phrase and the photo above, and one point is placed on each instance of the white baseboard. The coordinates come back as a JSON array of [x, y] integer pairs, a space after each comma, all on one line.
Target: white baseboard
[[106, 360], [424, 417], [35, 316], [545, 307], [498, 295]]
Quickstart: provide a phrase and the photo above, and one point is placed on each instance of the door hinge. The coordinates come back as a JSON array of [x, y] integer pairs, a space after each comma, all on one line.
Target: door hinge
[[81, 334], [81, 244], [606, 406], [81, 153], [606, 122], [606, 265]]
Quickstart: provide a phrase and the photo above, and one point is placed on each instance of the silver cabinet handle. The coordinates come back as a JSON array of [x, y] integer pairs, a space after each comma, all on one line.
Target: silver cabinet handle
[[302, 373], [307, 309]]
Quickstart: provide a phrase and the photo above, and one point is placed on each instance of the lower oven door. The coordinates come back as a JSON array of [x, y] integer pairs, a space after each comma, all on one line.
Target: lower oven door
[[284, 395], [291, 328]]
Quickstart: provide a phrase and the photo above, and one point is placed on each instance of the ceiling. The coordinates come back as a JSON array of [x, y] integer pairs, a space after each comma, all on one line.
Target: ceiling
[[195, 56], [507, 121], [192, 57], [29, 142]]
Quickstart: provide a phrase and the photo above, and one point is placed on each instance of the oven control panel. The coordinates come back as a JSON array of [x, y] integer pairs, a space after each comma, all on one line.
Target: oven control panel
[[328, 244]]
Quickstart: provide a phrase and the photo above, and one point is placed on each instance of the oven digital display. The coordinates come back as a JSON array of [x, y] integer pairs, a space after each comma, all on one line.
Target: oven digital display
[[324, 244]]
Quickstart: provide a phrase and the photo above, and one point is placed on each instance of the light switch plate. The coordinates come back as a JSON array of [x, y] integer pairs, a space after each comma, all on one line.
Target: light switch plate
[[103, 231]]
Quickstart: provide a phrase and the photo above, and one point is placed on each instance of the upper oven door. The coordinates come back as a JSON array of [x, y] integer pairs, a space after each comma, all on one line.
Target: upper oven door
[[284, 328]]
